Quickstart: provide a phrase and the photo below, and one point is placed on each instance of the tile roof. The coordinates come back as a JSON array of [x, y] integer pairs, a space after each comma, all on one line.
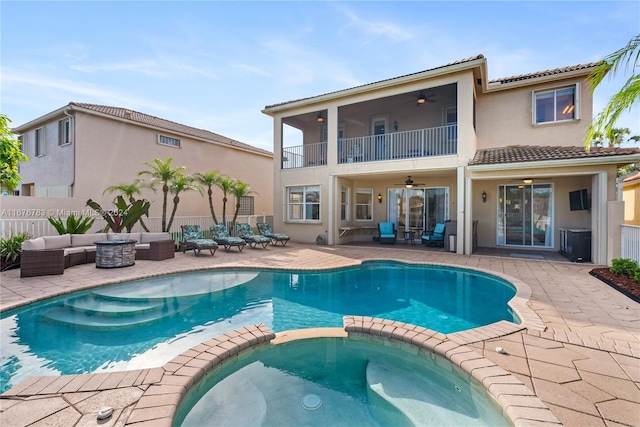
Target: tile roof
[[632, 178], [460, 61], [135, 116], [537, 74], [529, 153]]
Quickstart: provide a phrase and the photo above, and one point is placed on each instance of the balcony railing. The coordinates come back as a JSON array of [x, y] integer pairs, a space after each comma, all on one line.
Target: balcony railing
[[438, 141]]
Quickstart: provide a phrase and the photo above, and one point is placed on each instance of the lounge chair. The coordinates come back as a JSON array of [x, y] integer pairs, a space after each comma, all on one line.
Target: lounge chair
[[436, 237], [222, 237], [387, 232], [192, 238], [244, 231], [265, 230]]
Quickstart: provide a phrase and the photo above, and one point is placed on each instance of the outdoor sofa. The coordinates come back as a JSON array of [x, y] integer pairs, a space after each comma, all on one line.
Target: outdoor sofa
[[52, 254]]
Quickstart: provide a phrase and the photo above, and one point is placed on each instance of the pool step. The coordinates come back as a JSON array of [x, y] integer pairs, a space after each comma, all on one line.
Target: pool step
[[412, 393], [98, 313]]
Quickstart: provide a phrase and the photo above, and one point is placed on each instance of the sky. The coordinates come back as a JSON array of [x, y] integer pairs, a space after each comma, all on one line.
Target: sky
[[215, 65]]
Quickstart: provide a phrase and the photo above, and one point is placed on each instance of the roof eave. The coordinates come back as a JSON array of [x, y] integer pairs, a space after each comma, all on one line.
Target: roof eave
[[625, 159], [493, 87], [396, 81], [40, 120]]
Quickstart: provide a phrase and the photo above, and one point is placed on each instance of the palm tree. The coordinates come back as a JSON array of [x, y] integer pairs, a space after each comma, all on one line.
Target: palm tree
[[180, 184], [628, 95], [130, 190], [225, 184], [209, 179], [162, 171], [240, 190]]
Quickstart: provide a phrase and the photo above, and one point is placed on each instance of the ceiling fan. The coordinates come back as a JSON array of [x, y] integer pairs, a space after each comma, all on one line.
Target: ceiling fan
[[421, 98], [409, 183]]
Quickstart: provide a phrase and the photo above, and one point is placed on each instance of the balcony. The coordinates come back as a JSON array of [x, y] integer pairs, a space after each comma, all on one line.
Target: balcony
[[419, 143]]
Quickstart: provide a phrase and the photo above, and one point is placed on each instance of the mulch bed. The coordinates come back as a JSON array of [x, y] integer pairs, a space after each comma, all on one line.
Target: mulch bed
[[620, 282]]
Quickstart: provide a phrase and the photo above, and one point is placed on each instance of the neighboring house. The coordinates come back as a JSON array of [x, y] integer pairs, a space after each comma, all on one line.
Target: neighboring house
[[80, 149], [631, 197], [502, 160]]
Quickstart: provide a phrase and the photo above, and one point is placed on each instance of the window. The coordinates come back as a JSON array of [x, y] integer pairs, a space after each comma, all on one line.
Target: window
[[167, 140], [304, 203], [364, 204], [20, 142], [64, 132], [556, 105], [246, 205], [344, 204], [39, 142]]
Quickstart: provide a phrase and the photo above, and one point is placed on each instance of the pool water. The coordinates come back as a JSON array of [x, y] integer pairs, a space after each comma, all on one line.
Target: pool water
[[145, 323], [336, 382]]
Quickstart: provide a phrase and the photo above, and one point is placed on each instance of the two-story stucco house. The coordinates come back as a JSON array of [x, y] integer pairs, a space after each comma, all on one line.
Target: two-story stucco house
[[79, 150], [501, 162]]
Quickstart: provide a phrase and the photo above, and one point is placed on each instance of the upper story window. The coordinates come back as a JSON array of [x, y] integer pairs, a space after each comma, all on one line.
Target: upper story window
[[167, 140], [64, 132], [21, 144], [556, 105], [303, 204], [39, 142], [364, 204]]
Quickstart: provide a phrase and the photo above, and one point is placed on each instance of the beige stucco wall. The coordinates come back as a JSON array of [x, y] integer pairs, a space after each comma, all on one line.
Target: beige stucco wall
[[631, 197], [505, 118], [110, 152]]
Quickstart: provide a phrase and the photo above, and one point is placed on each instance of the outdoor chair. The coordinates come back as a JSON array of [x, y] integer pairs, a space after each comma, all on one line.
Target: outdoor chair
[[222, 237], [387, 232], [436, 237], [244, 231], [192, 238], [266, 230]]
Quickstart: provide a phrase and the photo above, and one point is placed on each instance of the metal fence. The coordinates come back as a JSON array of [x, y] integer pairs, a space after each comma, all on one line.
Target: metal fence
[[630, 237], [37, 227]]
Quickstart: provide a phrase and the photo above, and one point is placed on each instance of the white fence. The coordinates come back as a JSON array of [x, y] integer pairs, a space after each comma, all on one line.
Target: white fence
[[630, 237], [37, 227]]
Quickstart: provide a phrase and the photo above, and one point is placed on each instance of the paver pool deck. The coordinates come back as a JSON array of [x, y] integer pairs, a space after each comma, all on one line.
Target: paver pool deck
[[579, 351]]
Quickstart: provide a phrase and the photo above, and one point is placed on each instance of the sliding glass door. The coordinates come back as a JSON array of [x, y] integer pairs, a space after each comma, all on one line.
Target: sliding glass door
[[525, 215], [418, 209]]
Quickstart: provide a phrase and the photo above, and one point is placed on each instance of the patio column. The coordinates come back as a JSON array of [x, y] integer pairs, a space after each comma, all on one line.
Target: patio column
[[332, 136], [463, 206]]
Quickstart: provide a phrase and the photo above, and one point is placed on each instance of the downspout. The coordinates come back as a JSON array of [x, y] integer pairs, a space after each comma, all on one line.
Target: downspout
[[72, 138]]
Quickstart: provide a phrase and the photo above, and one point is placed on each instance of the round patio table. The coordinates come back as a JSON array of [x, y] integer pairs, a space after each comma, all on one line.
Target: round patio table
[[115, 253]]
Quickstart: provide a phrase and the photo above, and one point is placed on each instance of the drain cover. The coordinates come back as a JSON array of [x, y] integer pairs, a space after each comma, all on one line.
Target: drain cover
[[311, 402]]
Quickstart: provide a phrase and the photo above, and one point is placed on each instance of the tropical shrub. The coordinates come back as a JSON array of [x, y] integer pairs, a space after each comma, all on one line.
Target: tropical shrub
[[125, 216], [10, 248], [624, 266], [79, 225]]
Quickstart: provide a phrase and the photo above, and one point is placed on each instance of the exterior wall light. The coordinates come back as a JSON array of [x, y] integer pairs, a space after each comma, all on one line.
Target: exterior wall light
[[379, 198], [484, 197], [320, 118]]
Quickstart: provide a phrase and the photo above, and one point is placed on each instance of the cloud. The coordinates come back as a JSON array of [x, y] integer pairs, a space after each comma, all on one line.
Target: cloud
[[146, 67], [377, 28]]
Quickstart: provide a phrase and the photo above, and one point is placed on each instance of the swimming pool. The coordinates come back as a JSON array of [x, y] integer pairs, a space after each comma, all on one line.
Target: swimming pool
[[145, 323], [338, 382]]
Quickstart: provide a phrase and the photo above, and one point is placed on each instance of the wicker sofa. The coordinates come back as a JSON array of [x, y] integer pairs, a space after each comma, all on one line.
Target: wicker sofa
[[52, 254]]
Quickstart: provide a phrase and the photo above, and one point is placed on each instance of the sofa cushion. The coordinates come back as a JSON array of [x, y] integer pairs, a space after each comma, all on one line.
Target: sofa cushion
[[36, 244], [154, 237], [57, 242], [87, 239], [74, 250], [142, 246], [123, 236]]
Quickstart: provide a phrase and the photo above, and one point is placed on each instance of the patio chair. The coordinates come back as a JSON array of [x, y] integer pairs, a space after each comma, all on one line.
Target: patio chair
[[192, 238], [265, 230], [436, 237], [387, 232], [222, 237], [244, 231]]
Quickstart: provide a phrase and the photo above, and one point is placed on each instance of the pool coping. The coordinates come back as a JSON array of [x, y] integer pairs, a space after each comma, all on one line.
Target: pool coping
[[152, 396]]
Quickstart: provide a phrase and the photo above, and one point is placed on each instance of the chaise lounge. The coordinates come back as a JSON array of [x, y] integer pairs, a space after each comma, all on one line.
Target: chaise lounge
[[222, 237], [244, 231], [266, 230], [192, 238]]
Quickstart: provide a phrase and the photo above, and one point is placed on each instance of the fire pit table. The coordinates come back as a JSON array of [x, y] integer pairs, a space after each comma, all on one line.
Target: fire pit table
[[115, 253]]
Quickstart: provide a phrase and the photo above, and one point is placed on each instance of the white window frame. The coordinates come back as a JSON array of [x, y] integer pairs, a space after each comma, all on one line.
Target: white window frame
[[345, 194], [554, 90], [38, 139], [169, 141], [369, 204], [304, 206], [64, 132]]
